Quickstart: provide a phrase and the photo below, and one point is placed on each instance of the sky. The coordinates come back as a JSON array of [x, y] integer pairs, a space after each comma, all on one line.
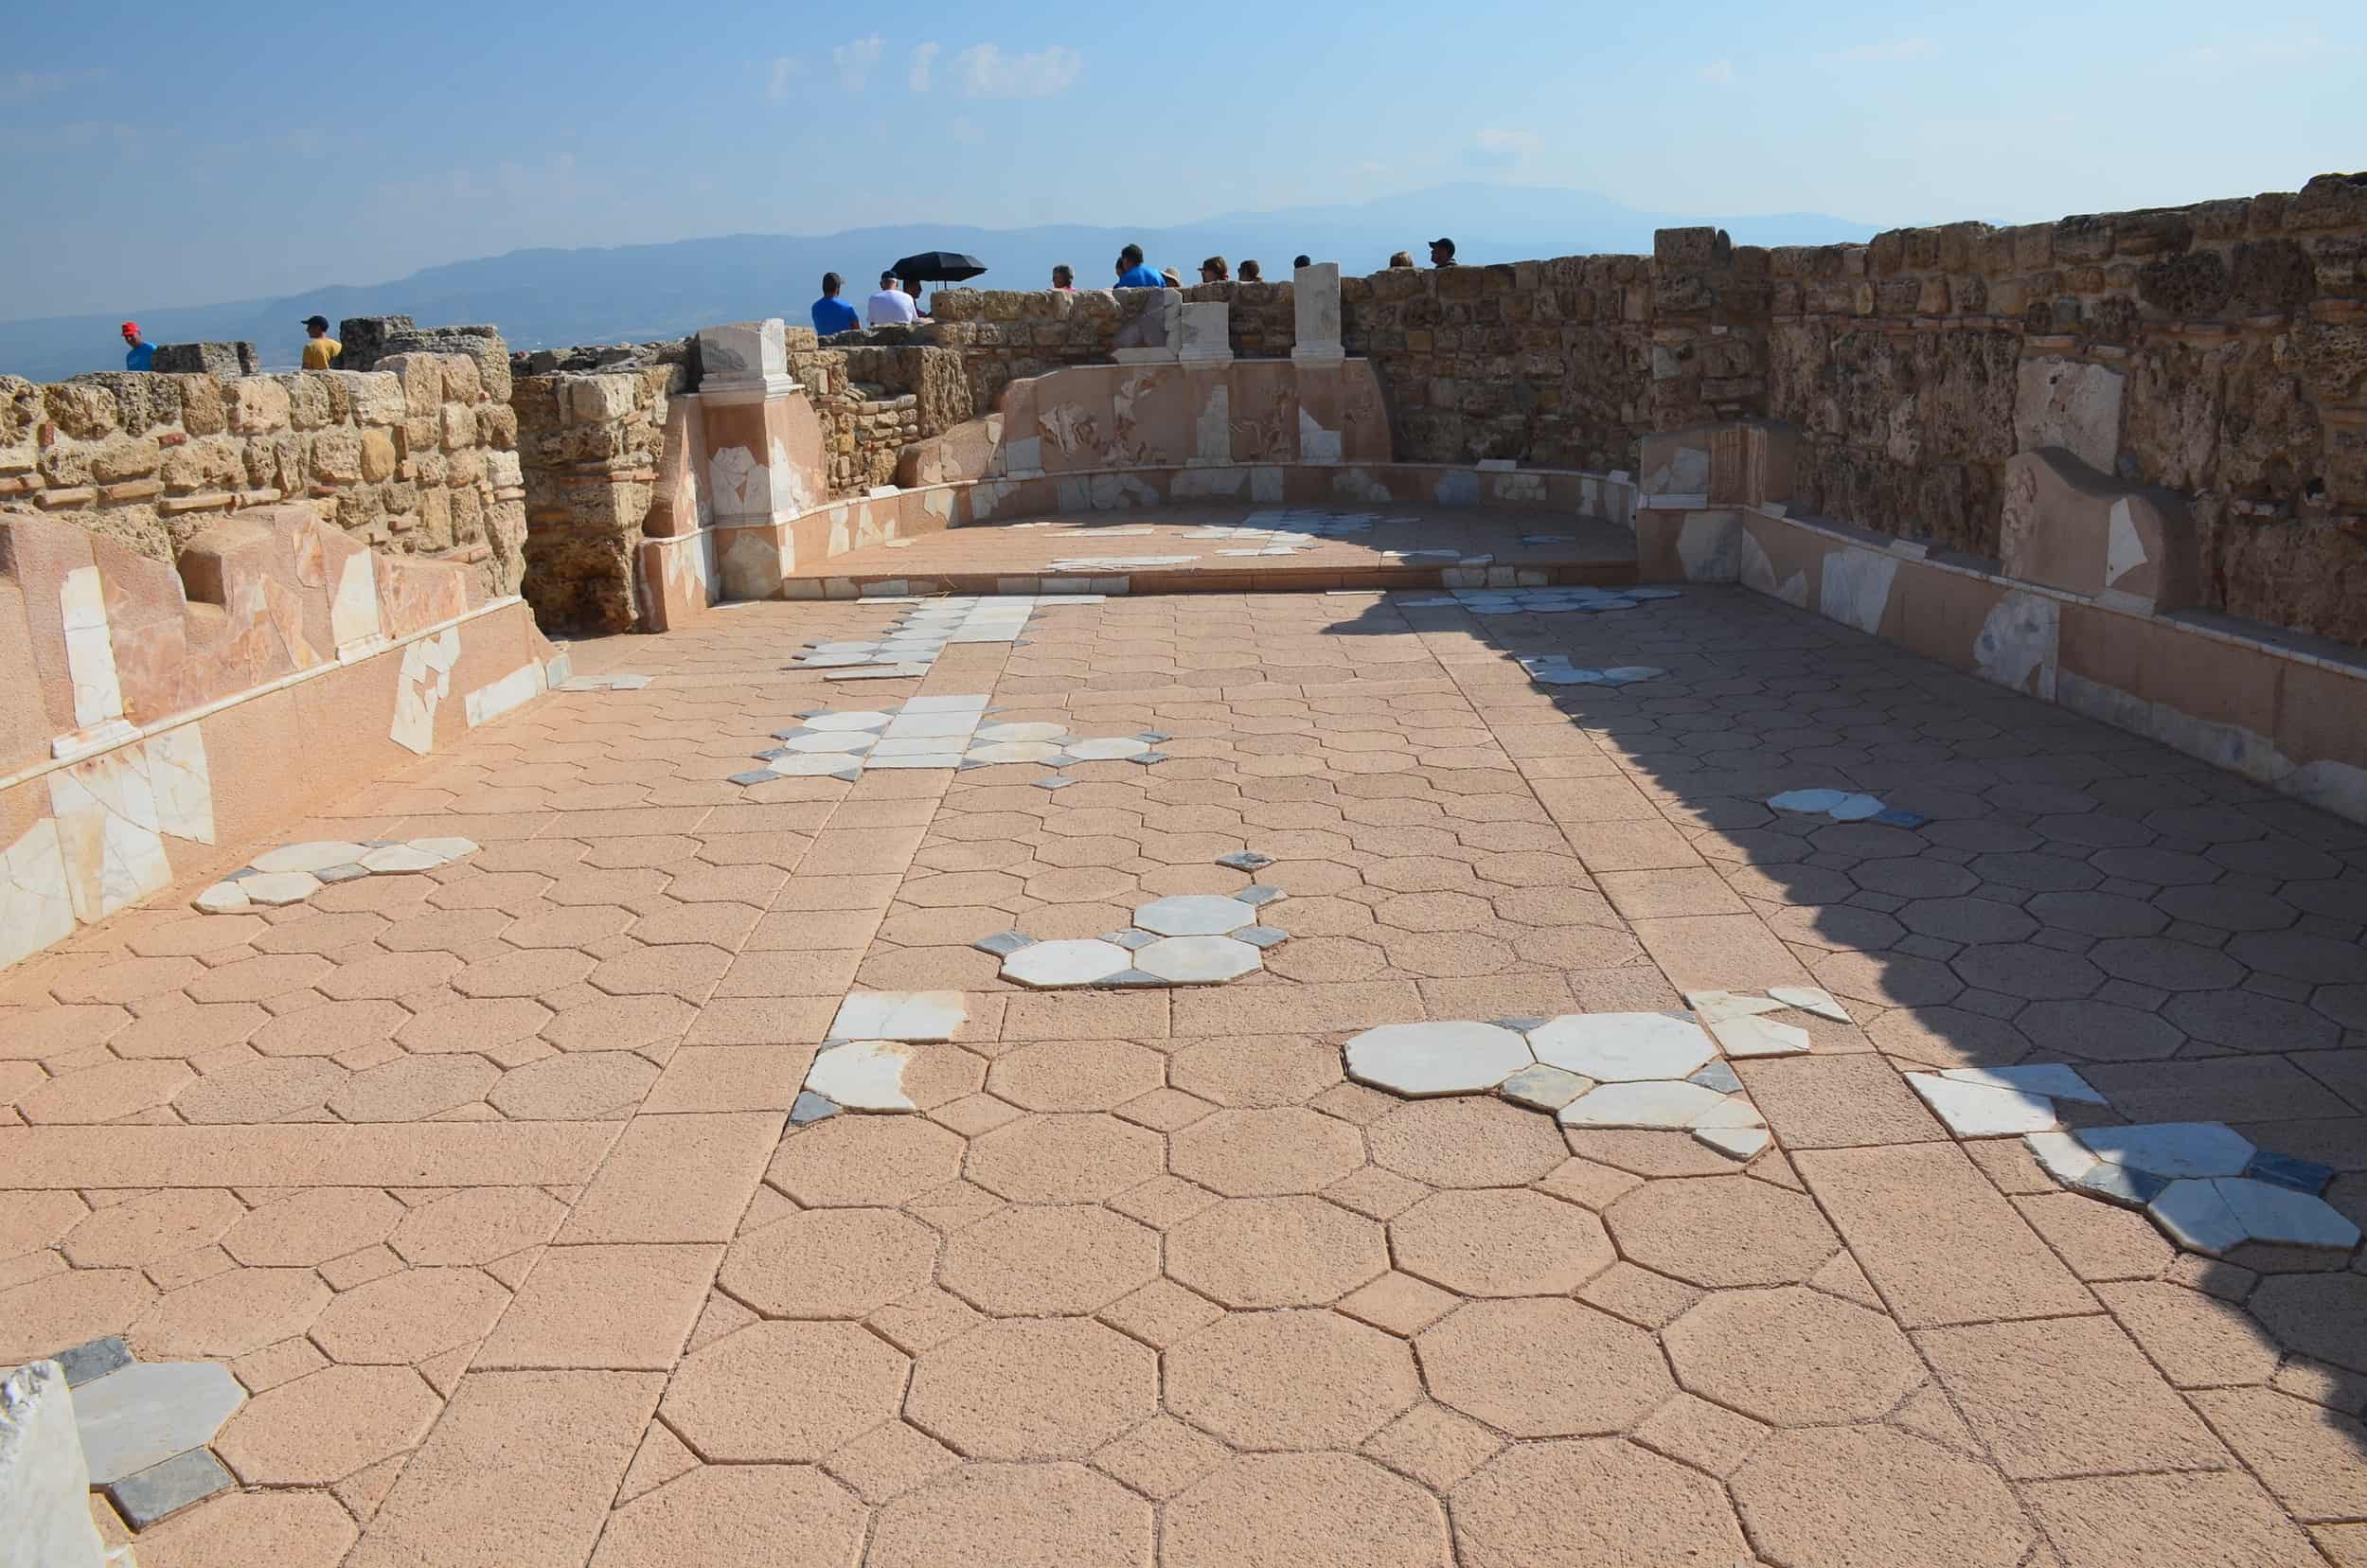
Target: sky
[[172, 153]]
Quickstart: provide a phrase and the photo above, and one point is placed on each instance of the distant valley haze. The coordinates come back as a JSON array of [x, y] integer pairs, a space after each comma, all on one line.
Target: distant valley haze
[[630, 294]]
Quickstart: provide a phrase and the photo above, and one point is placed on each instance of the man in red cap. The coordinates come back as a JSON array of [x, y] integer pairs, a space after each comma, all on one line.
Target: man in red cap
[[140, 353]]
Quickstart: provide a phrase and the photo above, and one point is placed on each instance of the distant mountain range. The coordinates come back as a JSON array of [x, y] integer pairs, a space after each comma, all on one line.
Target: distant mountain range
[[626, 293]]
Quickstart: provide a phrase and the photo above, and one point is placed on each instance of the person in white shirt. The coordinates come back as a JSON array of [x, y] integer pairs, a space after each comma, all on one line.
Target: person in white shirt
[[891, 306]]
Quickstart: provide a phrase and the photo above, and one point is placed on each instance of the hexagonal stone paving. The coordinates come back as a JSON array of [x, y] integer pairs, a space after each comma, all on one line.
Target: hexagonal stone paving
[[1422, 1059], [1622, 1047], [784, 1393], [1793, 1357], [1543, 1064], [2205, 1184], [1183, 939], [295, 872], [923, 732], [1291, 1380]]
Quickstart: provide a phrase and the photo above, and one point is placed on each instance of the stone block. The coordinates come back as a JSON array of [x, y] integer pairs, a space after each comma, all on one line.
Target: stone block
[[207, 358], [744, 352], [255, 406], [423, 381], [599, 400], [1150, 325], [1315, 314], [45, 1483], [375, 397], [166, 1488], [2065, 526], [2061, 402], [336, 455], [379, 456], [364, 338]]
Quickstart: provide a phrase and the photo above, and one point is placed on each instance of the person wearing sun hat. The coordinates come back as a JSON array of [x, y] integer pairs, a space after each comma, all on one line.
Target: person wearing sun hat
[[320, 350]]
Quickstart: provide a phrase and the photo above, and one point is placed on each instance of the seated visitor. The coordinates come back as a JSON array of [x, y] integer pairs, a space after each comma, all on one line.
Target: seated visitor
[[1132, 274], [831, 313], [891, 306], [139, 354], [1442, 253], [1401, 258], [1302, 261], [1064, 278], [1252, 273], [1215, 271]]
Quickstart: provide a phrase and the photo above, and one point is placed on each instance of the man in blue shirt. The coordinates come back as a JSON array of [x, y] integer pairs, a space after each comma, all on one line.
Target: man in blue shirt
[[831, 313], [1134, 274], [140, 355]]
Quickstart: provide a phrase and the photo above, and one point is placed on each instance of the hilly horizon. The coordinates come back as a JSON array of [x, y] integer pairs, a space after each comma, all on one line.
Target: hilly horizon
[[547, 297]]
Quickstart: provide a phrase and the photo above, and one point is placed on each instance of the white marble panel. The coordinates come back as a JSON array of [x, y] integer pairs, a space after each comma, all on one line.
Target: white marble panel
[[862, 1074], [1857, 587], [181, 783], [108, 832], [2018, 643], [354, 622], [898, 1015], [89, 656], [513, 691], [36, 907]]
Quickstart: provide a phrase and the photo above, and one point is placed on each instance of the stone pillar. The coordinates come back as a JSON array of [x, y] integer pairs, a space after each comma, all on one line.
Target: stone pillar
[[745, 394], [1208, 334], [1315, 297], [760, 455]]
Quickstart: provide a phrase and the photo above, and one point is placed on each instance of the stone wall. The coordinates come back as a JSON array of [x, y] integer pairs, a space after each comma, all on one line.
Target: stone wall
[[416, 457], [878, 390], [589, 448], [1547, 361], [156, 710], [2217, 351]]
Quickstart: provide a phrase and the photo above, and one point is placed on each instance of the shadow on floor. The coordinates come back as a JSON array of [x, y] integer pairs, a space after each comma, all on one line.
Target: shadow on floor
[[2190, 941]]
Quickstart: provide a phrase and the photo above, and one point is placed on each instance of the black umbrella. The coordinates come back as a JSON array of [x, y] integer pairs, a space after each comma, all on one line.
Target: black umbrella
[[939, 267]]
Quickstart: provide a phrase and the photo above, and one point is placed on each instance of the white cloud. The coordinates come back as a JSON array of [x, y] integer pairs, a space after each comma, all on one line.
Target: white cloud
[[988, 72], [1882, 54], [924, 56], [853, 62], [777, 83], [1718, 73]]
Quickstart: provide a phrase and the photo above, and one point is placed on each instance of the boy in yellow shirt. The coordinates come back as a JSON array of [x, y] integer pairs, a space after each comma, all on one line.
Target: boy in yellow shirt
[[320, 350]]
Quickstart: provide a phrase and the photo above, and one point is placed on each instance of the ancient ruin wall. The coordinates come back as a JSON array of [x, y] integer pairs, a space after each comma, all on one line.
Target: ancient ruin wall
[[416, 457], [589, 447], [878, 390], [2219, 350]]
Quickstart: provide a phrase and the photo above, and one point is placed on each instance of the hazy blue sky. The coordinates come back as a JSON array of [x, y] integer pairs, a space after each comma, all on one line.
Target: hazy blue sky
[[179, 154]]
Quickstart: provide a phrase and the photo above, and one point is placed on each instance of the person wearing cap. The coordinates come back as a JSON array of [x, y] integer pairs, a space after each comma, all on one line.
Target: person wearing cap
[[891, 306], [1303, 261], [832, 314], [139, 354], [320, 350], [1442, 253]]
